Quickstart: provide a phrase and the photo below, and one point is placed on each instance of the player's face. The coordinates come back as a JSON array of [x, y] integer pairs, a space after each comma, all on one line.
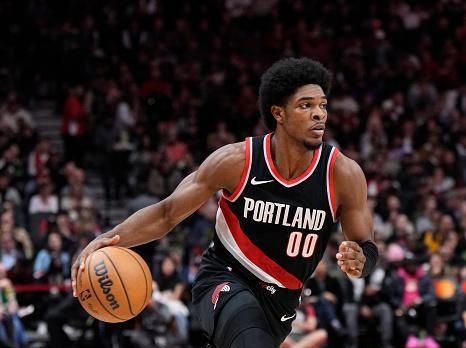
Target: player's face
[[306, 115]]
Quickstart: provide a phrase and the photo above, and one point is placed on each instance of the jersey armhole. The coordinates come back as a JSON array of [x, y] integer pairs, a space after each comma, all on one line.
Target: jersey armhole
[[244, 175], [330, 183]]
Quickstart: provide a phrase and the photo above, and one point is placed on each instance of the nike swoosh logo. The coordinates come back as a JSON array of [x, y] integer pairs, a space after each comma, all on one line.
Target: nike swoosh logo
[[285, 318], [259, 182]]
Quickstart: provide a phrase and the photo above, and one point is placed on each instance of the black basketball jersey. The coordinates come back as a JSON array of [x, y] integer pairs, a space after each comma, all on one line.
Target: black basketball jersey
[[277, 229]]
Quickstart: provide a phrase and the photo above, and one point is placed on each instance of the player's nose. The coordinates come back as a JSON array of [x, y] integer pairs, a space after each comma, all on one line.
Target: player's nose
[[318, 114]]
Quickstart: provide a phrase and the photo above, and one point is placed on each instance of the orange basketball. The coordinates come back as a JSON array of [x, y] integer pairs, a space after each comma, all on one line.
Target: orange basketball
[[115, 285]]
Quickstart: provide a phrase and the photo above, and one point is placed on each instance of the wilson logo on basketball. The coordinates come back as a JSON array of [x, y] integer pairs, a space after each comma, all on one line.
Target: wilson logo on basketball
[[224, 287], [106, 284]]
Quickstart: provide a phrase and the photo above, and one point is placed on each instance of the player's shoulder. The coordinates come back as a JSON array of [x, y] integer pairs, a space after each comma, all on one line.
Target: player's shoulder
[[233, 154], [349, 180], [223, 168], [346, 168]]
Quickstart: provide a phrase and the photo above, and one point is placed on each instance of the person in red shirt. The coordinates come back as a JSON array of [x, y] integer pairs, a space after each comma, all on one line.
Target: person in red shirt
[[74, 125]]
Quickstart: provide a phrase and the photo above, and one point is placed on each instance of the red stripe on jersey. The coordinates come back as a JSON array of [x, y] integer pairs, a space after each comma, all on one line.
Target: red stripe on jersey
[[256, 255], [244, 175], [276, 173], [216, 294], [333, 204]]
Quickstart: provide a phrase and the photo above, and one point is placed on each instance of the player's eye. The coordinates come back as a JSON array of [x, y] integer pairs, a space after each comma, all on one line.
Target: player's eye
[[323, 106], [305, 105]]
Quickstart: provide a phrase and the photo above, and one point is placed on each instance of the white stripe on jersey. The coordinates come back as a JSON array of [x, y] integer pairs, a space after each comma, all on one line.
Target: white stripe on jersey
[[228, 241]]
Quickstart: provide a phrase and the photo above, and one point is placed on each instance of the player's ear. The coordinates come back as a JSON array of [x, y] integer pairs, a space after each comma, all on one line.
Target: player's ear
[[278, 113]]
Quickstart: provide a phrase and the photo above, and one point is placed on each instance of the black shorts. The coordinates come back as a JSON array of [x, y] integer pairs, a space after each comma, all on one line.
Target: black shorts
[[227, 301]]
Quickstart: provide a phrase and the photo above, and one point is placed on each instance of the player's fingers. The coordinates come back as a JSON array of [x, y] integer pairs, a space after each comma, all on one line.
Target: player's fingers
[[351, 245], [74, 269], [80, 262], [353, 264], [346, 255], [93, 246], [78, 267], [351, 269], [343, 248], [351, 256], [111, 241]]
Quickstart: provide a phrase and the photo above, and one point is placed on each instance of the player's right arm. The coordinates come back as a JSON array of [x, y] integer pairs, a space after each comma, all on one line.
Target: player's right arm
[[221, 170]]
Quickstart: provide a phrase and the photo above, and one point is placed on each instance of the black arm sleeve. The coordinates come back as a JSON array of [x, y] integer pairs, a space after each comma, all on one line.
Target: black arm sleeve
[[371, 253]]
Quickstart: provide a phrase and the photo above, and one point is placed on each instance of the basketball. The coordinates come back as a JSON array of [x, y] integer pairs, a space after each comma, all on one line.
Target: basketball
[[115, 285]]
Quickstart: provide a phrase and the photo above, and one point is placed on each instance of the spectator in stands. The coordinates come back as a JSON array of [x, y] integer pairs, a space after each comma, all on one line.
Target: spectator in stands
[[353, 289], [326, 296], [460, 252], [123, 144], [67, 312], [441, 183], [402, 231], [368, 301], [52, 264], [86, 223], [402, 118], [75, 199], [175, 150], [157, 325], [220, 137], [26, 140], [164, 175], [11, 327], [19, 234], [103, 142], [448, 296], [201, 228], [37, 161], [304, 329], [10, 255], [76, 193], [8, 192], [61, 224], [12, 164], [412, 296], [434, 239], [55, 170], [156, 180], [12, 114], [74, 125], [140, 161], [169, 290], [44, 201], [426, 219]]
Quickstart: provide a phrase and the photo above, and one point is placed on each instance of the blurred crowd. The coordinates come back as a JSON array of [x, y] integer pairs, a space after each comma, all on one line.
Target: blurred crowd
[[146, 89]]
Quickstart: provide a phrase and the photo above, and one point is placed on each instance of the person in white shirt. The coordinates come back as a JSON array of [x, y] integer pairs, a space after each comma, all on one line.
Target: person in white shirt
[[44, 201], [12, 113]]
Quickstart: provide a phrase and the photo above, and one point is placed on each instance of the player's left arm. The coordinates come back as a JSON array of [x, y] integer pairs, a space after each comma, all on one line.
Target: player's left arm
[[357, 255]]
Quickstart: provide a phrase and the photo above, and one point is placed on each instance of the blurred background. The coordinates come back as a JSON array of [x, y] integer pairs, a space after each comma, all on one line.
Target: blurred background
[[106, 105]]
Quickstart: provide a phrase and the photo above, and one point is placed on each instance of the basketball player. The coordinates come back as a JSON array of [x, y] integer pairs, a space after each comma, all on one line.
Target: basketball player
[[282, 194]]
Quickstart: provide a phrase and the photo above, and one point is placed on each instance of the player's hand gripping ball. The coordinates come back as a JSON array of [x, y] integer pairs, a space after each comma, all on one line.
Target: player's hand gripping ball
[[351, 259], [115, 284]]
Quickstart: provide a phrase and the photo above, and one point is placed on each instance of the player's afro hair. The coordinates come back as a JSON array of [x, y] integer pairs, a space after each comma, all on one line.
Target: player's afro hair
[[283, 78]]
